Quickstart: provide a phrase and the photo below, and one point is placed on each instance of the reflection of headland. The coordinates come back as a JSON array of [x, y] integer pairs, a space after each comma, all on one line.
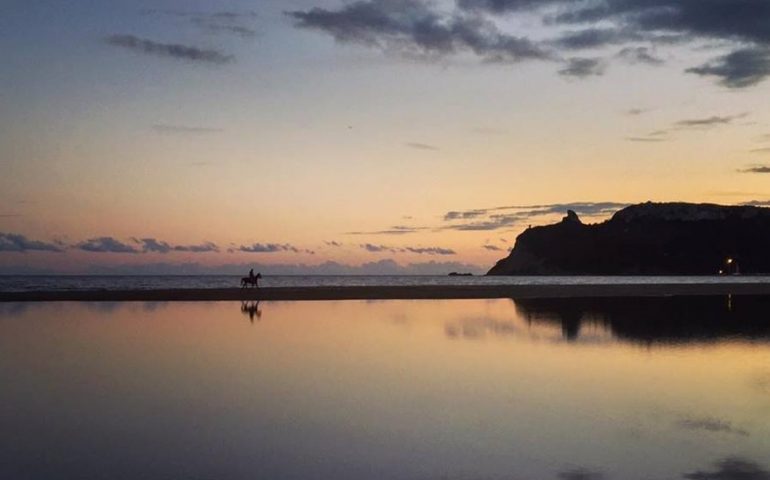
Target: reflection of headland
[[656, 319]]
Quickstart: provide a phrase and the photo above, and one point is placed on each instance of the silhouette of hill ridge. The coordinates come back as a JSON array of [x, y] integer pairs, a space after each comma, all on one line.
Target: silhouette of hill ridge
[[647, 239]]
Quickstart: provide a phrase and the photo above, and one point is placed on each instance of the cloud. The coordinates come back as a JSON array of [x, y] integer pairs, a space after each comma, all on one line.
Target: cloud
[[152, 245], [414, 28], [495, 222], [731, 468], [105, 245], [756, 169], [492, 248], [14, 242], [709, 121], [270, 248], [580, 474], [635, 55], [369, 247], [184, 129], [421, 28], [739, 69], [487, 219], [635, 112], [590, 38], [395, 230], [373, 248], [200, 248], [169, 50], [465, 215], [430, 250], [761, 150], [333, 243], [710, 424], [421, 146], [502, 6], [583, 68]]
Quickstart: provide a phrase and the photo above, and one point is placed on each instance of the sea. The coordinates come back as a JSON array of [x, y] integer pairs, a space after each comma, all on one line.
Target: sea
[[537, 389], [21, 283]]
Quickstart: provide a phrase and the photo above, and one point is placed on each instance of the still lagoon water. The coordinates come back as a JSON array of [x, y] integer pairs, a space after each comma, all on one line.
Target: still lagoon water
[[481, 389]]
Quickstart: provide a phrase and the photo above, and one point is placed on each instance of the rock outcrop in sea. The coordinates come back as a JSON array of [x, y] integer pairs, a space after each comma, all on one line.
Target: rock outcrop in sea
[[647, 239]]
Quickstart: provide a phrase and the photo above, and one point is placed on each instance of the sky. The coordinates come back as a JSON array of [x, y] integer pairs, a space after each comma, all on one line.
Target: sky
[[369, 136]]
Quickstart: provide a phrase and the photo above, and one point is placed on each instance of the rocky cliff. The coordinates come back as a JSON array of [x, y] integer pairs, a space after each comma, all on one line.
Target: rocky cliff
[[647, 239]]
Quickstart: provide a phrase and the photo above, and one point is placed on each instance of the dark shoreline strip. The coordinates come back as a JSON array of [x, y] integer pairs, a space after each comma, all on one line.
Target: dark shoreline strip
[[391, 293]]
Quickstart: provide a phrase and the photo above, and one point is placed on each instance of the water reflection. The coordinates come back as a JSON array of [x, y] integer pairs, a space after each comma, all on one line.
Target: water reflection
[[391, 390], [251, 308], [655, 319]]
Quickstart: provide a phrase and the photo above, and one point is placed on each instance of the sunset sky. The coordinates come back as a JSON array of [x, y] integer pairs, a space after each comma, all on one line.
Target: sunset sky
[[372, 136]]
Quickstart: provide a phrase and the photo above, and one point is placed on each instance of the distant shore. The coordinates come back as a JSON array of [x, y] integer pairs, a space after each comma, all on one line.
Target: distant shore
[[391, 292]]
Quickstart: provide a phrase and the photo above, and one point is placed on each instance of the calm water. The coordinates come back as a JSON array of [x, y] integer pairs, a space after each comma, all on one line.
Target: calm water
[[557, 389], [150, 282]]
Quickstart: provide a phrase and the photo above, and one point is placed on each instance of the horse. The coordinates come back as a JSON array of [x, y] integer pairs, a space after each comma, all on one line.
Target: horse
[[253, 281]]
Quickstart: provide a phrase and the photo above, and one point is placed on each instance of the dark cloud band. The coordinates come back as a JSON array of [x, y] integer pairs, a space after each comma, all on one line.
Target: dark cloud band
[[169, 50]]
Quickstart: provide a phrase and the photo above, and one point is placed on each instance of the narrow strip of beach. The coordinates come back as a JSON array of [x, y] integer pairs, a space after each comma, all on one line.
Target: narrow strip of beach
[[425, 292]]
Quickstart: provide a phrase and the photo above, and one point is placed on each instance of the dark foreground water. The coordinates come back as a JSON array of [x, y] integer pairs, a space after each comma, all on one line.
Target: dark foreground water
[[21, 283], [556, 389]]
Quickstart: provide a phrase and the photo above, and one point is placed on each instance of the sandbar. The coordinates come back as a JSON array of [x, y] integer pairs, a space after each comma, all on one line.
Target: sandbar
[[422, 292]]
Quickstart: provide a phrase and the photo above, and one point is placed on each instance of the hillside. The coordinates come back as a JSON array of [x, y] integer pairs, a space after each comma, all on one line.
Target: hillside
[[647, 239]]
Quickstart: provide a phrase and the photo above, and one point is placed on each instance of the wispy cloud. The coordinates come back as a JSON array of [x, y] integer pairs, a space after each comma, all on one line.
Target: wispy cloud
[[756, 169], [415, 28], [707, 122], [580, 474], [421, 146], [710, 424], [169, 50], [422, 28], [374, 248], [488, 219], [430, 250], [583, 67], [636, 55], [270, 248], [395, 230]]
